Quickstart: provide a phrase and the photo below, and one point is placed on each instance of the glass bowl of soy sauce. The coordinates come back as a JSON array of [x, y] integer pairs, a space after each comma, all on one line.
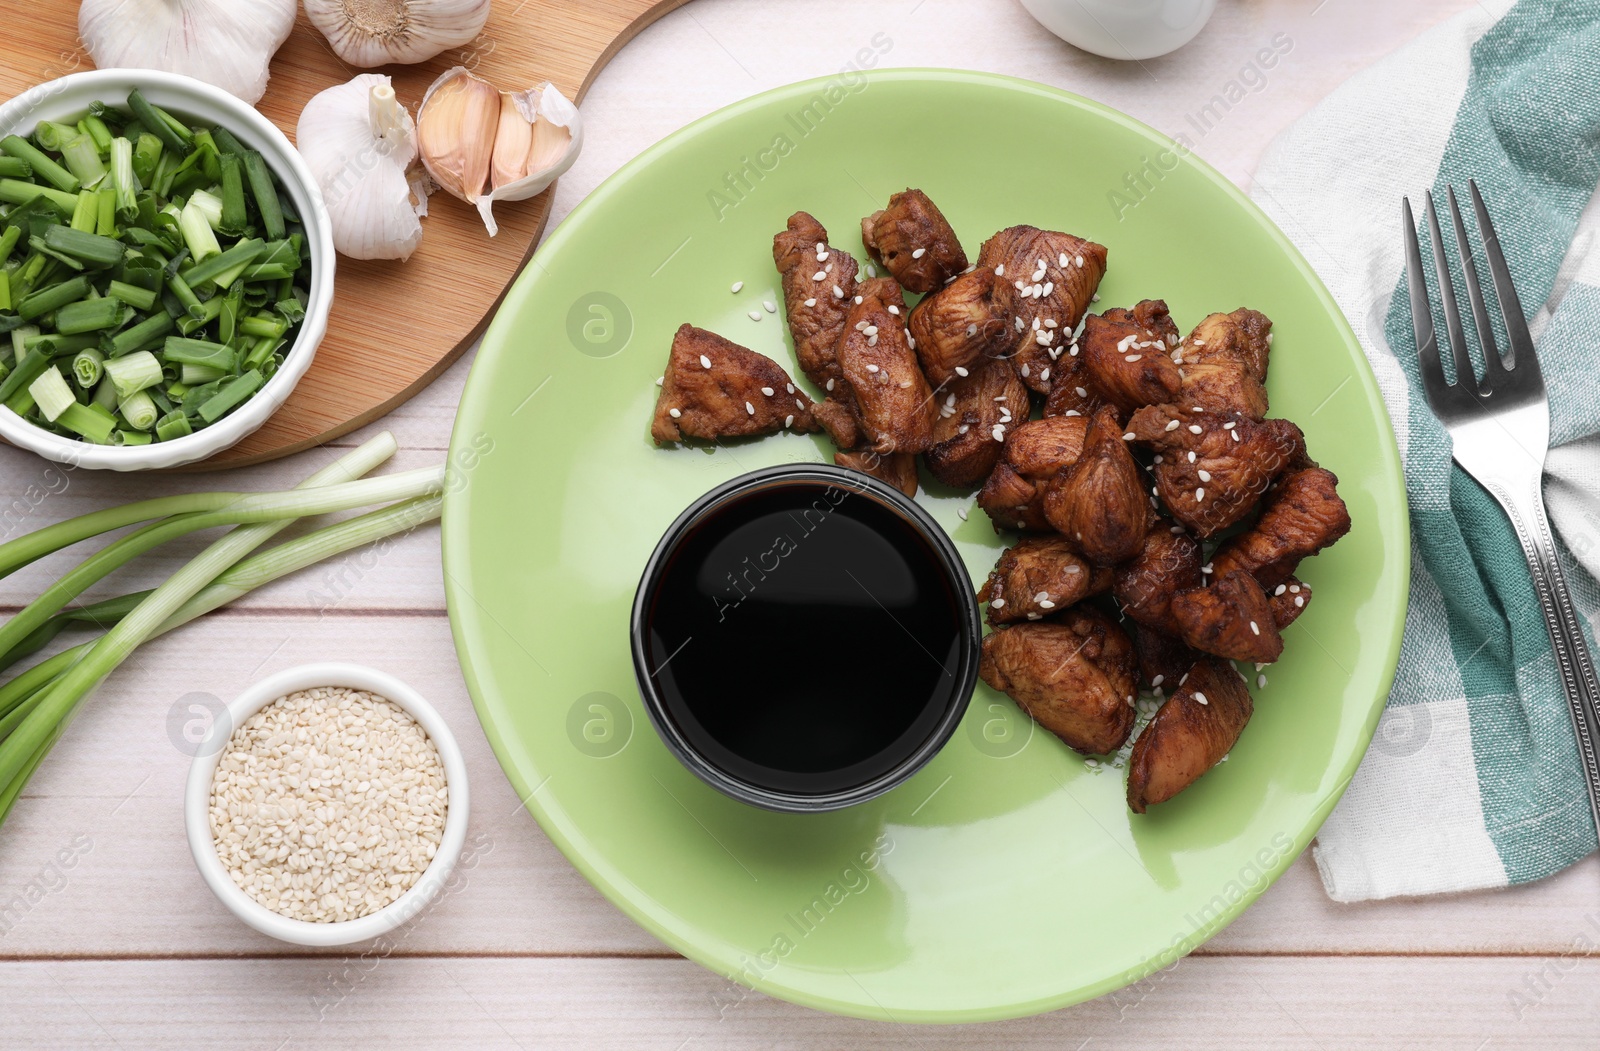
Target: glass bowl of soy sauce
[[805, 637]]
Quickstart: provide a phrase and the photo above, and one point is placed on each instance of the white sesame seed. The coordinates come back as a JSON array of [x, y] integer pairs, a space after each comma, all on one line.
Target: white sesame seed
[[1199, 495], [799, 404], [872, 368], [1200, 697], [861, 326], [1159, 458], [1024, 370], [1078, 260], [1045, 373], [675, 413], [736, 286], [769, 306], [1191, 456], [819, 275], [705, 362], [871, 330], [1031, 616], [811, 302], [961, 371], [1172, 425], [829, 385], [1299, 601], [859, 300], [1198, 342], [998, 603], [1128, 437], [1294, 589], [1125, 342], [894, 310], [1000, 271], [919, 253], [1158, 680], [789, 388], [1230, 425], [755, 315], [660, 380], [1255, 628], [1045, 603], [1131, 357], [751, 409], [1049, 286], [1205, 476], [963, 429], [1261, 682], [872, 340], [961, 513], [1061, 260], [1235, 435], [838, 293], [1043, 596], [788, 421], [768, 391], [1195, 428], [1207, 568], [999, 433], [1021, 324], [1280, 589], [1072, 412]]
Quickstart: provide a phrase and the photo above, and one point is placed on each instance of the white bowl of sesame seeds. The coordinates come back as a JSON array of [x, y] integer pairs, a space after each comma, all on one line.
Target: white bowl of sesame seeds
[[329, 807]]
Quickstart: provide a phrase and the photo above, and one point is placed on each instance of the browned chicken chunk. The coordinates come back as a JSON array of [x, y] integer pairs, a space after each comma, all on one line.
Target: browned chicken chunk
[[1288, 600], [912, 240], [1168, 563], [1098, 502], [1163, 660], [1043, 274], [714, 388], [975, 411], [1231, 619], [1075, 676], [1211, 466], [1120, 359], [1224, 363], [958, 328], [898, 469], [1034, 452], [1189, 734], [1038, 577], [816, 306], [893, 401], [1302, 515]]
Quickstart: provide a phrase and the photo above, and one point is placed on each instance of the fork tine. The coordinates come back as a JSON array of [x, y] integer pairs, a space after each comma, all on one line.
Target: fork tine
[[1480, 313], [1506, 292], [1466, 375], [1421, 311]]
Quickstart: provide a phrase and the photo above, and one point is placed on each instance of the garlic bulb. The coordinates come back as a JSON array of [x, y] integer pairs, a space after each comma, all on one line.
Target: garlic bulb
[[483, 145], [227, 43], [359, 142], [367, 33]]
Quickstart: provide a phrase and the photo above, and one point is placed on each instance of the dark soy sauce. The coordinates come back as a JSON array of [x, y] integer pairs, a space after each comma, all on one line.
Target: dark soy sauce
[[804, 637]]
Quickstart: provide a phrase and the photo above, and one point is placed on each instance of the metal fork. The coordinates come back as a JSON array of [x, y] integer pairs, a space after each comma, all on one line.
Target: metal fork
[[1500, 430]]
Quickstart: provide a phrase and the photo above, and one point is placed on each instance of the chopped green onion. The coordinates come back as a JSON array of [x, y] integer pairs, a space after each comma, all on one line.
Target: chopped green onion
[[131, 339], [147, 154], [5, 291], [89, 315], [232, 393], [259, 325], [97, 130], [8, 241], [171, 132], [56, 345], [197, 233], [139, 298], [210, 206], [15, 168], [105, 395], [123, 437], [89, 248], [196, 375], [86, 214], [88, 367], [15, 191], [266, 195], [173, 425], [51, 393], [52, 135], [198, 352], [234, 214], [216, 268], [37, 304], [106, 222], [43, 167], [123, 179], [138, 410], [133, 372], [88, 420], [82, 158]]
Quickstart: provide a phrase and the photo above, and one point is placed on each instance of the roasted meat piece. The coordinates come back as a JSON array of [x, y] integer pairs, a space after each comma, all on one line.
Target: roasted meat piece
[[1288, 600], [1189, 734], [912, 240], [1231, 619], [1213, 466], [1073, 675], [898, 469], [714, 388], [957, 328], [1224, 363], [1043, 274], [1168, 563], [1098, 502], [1163, 660], [893, 401], [1301, 515], [1121, 359], [816, 305], [1034, 452], [975, 411], [1037, 577]]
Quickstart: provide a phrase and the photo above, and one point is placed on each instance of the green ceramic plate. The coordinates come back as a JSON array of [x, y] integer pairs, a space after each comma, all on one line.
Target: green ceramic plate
[[1008, 876]]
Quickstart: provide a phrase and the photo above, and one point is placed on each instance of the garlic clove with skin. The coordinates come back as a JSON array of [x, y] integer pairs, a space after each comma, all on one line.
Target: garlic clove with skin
[[360, 143], [227, 43], [368, 33], [484, 145]]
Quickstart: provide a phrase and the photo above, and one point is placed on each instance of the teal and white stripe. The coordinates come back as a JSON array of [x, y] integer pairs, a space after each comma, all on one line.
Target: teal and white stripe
[[1473, 780]]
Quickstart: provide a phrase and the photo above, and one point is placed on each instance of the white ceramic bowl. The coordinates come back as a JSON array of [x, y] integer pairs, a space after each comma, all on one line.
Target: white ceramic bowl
[[197, 806], [186, 97], [1124, 29]]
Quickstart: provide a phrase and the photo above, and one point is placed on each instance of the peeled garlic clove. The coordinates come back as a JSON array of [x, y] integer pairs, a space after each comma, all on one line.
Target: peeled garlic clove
[[456, 128], [512, 141], [359, 142], [227, 43], [369, 33], [556, 137]]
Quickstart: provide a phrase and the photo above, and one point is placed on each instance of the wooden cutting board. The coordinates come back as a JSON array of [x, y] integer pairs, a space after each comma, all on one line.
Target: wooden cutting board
[[395, 326]]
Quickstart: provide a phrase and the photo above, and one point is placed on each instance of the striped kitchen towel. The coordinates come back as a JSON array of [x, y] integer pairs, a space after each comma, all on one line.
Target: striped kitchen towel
[[1473, 779]]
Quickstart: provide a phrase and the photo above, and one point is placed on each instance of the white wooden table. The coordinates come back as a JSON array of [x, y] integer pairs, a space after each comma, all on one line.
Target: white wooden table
[[128, 949]]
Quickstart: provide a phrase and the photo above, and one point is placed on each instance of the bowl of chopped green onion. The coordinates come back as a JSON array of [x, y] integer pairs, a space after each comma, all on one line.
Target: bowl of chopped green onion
[[166, 269]]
